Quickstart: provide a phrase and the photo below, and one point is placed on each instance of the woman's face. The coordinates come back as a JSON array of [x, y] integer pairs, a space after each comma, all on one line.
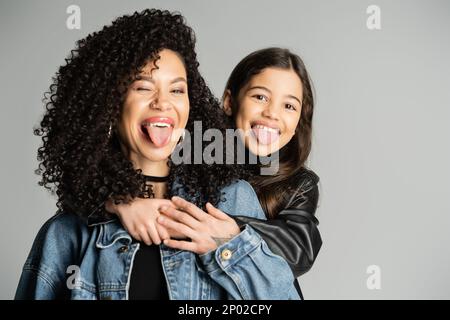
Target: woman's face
[[155, 111], [268, 109]]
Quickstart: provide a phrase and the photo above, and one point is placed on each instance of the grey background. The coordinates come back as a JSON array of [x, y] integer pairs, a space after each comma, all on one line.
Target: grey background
[[381, 142]]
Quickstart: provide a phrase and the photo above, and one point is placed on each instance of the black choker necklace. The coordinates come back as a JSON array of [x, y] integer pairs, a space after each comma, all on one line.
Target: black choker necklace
[[156, 179]]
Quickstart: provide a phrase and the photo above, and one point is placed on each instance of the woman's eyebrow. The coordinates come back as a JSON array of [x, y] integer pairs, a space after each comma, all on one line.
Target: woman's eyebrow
[[144, 77], [182, 79], [150, 79]]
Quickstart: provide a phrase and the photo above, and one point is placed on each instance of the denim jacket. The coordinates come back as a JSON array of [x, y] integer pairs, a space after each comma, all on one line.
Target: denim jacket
[[71, 260]]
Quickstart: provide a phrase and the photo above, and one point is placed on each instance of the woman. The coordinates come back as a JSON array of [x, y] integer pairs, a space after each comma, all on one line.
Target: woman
[[269, 97], [115, 114]]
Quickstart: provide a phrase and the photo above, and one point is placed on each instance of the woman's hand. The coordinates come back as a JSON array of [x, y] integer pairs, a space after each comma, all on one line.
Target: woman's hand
[[206, 230], [139, 219]]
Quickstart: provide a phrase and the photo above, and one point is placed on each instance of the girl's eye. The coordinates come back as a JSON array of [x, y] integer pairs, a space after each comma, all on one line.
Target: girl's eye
[[290, 107], [261, 97], [143, 89]]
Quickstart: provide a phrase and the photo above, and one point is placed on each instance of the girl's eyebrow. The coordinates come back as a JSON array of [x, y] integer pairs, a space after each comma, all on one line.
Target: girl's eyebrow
[[266, 89], [295, 98], [259, 87]]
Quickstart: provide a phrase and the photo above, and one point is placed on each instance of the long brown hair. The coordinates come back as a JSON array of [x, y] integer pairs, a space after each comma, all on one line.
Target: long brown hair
[[274, 191]]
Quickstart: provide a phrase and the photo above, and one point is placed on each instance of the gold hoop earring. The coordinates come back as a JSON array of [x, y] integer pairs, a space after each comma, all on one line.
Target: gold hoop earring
[[110, 131]]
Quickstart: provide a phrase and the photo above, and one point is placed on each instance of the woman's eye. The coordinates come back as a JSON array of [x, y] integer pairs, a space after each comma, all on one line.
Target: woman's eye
[[290, 107], [178, 91], [143, 89]]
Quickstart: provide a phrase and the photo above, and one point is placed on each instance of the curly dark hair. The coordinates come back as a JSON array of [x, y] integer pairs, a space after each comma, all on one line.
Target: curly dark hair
[[79, 160]]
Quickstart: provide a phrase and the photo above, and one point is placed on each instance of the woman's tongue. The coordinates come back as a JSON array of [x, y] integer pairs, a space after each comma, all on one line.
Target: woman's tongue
[[160, 136], [265, 136]]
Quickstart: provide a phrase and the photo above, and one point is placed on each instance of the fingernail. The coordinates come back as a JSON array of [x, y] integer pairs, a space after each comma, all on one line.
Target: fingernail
[[160, 219], [163, 208]]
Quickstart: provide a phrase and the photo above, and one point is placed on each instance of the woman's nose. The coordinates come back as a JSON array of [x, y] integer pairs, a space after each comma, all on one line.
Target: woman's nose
[[160, 103]]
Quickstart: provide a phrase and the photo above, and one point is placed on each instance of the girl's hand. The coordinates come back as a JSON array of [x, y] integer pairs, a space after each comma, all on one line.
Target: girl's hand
[[139, 219], [206, 230]]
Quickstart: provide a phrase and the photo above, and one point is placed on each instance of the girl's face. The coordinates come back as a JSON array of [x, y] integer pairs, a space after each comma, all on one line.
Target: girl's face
[[155, 111], [268, 109]]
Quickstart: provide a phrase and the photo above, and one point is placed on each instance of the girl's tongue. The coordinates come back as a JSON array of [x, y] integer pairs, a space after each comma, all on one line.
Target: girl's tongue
[[160, 136], [265, 136]]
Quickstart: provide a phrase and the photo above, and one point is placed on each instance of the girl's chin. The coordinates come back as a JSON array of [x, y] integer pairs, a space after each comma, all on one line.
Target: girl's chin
[[261, 150]]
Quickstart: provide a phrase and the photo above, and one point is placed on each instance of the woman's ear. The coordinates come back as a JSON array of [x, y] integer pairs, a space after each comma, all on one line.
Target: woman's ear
[[226, 100]]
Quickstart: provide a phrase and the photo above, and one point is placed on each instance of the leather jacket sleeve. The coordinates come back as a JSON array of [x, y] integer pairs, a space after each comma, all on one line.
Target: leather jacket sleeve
[[293, 234]]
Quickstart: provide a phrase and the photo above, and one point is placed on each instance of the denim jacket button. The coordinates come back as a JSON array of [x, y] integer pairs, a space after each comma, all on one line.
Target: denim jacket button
[[226, 254], [123, 249]]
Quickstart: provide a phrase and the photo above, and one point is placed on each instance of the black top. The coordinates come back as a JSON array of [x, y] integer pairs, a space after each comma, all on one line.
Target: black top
[[147, 276]]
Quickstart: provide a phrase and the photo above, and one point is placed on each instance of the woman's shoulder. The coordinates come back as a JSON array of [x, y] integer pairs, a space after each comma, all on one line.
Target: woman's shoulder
[[55, 248], [63, 222], [59, 234], [239, 190], [239, 198], [239, 184]]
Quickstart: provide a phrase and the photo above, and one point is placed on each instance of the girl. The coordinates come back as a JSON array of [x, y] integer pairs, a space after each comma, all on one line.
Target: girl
[[270, 90], [115, 114]]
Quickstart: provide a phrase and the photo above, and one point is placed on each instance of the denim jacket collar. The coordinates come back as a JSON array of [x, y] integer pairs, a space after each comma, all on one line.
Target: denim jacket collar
[[110, 233], [111, 229]]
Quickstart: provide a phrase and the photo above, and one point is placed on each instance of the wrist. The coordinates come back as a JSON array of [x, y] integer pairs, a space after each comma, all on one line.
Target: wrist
[[237, 229]]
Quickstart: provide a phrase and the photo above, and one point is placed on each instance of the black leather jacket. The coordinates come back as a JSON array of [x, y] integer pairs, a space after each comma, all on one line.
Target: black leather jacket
[[293, 234]]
